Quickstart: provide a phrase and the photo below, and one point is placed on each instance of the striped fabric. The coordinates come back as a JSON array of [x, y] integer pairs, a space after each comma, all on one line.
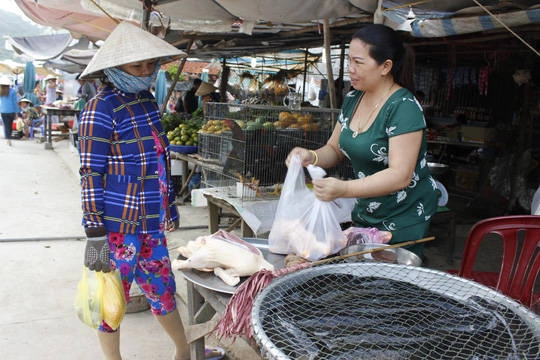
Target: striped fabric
[[471, 24], [119, 178]]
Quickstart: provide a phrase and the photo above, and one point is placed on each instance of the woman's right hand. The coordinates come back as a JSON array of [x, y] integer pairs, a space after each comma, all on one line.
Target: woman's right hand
[[306, 156]]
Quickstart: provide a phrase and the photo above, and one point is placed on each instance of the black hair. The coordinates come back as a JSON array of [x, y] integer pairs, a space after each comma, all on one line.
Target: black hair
[[385, 44], [197, 81]]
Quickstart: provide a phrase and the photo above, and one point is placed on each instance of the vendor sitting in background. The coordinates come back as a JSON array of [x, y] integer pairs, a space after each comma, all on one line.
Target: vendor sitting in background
[[26, 116]]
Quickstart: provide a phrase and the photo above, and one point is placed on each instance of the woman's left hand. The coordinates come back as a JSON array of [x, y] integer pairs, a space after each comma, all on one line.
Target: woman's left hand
[[328, 189]]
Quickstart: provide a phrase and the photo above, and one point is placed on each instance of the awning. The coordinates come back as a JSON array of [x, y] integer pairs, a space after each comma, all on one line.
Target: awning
[[41, 47], [68, 15], [458, 26], [235, 28], [78, 56]]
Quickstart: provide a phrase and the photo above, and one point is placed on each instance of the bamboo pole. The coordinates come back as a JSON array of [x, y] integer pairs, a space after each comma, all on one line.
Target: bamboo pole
[[305, 75], [224, 81], [329, 74], [173, 85]]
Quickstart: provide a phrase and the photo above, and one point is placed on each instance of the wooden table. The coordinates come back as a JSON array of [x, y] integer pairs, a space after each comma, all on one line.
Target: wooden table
[[201, 304], [51, 111], [198, 164], [215, 205], [207, 298]]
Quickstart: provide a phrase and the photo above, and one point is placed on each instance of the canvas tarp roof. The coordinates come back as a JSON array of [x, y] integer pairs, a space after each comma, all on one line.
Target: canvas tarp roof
[[68, 15], [229, 28], [40, 47]]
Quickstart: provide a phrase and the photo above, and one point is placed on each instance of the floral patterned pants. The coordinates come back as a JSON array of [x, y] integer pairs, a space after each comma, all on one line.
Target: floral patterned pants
[[145, 259]]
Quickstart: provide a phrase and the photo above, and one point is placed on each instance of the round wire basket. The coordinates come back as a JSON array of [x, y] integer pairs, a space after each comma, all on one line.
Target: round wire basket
[[388, 311]]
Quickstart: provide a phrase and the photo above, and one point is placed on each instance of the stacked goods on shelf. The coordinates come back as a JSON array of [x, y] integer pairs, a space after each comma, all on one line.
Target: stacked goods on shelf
[[182, 132]]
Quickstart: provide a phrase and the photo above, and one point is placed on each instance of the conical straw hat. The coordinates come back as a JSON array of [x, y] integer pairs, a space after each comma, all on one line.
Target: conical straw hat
[[205, 89], [129, 43], [50, 77], [23, 99]]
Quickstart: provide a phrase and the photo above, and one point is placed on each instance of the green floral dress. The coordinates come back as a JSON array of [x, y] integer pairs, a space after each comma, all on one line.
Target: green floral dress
[[368, 153]]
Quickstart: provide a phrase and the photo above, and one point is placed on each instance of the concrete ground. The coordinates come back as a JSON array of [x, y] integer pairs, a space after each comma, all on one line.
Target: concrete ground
[[41, 247]]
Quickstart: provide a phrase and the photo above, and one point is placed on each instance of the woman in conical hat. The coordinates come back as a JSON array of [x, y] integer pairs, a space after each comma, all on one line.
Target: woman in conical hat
[[128, 201], [26, 116], [208, 93]]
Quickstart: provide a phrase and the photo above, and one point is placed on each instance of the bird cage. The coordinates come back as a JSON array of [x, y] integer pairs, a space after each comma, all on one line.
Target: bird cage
[[249, 143]]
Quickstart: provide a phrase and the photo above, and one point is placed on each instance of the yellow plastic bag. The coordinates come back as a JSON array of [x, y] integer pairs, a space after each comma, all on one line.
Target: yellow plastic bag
[[87, 300], [113, 298], [100, 297]]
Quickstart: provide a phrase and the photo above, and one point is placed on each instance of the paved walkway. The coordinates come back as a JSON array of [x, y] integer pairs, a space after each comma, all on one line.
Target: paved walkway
[[42, 247]]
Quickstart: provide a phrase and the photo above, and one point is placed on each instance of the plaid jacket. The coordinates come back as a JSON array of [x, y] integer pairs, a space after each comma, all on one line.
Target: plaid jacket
[[119, 174]]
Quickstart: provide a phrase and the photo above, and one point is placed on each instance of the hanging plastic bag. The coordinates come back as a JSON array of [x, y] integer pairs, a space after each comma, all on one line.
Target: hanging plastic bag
[[304, 225], [535, 205], [113, 299], [87, 300], [100, 297]]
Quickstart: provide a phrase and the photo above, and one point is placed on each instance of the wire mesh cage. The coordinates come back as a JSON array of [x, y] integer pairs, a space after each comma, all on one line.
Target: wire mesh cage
[[388, 311], [253, 146]]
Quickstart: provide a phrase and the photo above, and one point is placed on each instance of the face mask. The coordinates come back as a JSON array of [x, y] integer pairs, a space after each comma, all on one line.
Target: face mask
[[129, 83], [25, 109]]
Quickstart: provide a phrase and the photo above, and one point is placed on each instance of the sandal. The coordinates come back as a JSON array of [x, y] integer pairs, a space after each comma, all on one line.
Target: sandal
[[214, 353]]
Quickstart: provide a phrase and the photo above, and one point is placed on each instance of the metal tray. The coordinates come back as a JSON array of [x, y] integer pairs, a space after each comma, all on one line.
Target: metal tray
[[208, 280], [394, 255]]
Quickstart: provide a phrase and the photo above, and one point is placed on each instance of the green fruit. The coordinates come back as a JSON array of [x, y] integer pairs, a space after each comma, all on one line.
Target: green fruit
[[268, 125], [254, 126]]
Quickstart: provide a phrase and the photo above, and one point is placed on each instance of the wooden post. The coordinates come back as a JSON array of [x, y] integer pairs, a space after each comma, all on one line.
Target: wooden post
[[224, 81], [147, 8], [173, 85], [305, 75], [329, 74]]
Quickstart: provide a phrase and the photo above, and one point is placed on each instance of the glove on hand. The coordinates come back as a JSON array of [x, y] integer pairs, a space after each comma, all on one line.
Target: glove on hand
[[97, 254]]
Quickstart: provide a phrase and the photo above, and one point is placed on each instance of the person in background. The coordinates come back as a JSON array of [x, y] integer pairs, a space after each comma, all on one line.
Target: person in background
[[8, 107], [381, 130], [26, 116], [86, 90], [191, 100], [59, 94], [50, 90], [179, 102], [208, 93], [38, 94], [127, 199]]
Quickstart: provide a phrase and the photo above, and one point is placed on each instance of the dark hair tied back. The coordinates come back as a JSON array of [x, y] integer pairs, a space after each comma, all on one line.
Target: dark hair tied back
[[385, 44]]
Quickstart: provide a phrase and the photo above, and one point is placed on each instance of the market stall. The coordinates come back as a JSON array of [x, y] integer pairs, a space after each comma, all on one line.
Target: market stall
[[64, 117]]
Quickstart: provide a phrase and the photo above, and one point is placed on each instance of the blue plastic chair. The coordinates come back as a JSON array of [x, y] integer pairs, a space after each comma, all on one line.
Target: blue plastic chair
[[37, 124]]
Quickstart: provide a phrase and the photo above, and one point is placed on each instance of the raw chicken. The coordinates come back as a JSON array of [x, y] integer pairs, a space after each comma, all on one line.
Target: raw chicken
[[224, 253], [358, 235], [293, 237]]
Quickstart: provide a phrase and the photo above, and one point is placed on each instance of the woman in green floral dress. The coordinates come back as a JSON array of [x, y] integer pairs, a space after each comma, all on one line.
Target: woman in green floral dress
[[381, 130]]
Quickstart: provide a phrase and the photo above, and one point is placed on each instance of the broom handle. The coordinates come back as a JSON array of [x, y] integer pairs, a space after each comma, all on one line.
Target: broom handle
[[368, 251]]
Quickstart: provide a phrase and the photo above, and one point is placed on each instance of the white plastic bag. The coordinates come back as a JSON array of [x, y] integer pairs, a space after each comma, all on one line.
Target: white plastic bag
[[304, 225], [535, 205]]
